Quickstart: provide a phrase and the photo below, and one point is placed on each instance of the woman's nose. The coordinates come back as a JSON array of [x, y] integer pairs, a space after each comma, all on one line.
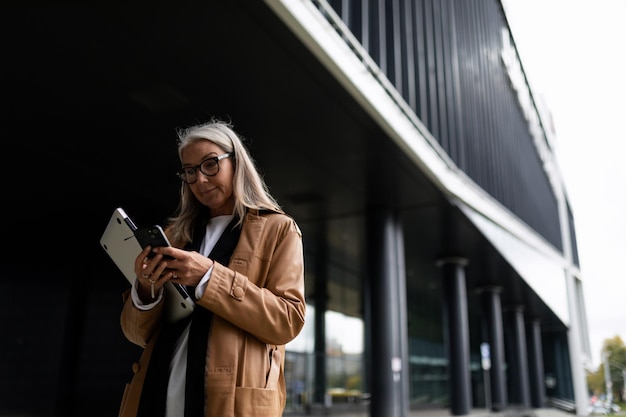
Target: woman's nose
[[200, 177]]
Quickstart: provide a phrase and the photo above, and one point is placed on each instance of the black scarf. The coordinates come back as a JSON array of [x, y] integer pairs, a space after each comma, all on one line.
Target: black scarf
[[154, 391]]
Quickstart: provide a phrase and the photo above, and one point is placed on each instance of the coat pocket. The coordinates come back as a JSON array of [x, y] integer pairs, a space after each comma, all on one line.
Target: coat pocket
[[259, 402]]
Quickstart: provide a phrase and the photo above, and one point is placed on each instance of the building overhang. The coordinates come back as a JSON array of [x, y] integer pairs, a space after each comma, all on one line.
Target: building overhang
[[540, 269]]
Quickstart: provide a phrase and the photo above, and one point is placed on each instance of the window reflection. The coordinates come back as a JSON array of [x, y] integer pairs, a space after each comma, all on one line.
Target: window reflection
[[344, 361]]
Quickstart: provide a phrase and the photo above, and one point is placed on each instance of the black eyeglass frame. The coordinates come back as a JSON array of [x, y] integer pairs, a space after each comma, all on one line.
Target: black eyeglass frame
[[181, 174]]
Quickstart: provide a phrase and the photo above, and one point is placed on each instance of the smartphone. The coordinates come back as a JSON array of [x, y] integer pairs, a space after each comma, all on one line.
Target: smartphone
[[155, 237], [152, 236]]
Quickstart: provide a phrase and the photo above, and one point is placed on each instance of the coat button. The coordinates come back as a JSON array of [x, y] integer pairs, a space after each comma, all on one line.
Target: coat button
[[135, 367], [238, 292]]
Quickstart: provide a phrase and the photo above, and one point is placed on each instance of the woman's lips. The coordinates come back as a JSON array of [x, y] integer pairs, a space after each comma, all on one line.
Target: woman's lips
[[207, 191]]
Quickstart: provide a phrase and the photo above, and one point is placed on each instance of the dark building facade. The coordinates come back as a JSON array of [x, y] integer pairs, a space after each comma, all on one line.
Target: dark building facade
[[440, 248]]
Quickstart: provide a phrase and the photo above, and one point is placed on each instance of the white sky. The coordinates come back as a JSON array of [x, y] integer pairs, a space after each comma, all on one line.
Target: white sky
[[574, 53]]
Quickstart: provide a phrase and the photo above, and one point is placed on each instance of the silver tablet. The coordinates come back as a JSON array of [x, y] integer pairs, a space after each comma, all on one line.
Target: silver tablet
[[118, 240]]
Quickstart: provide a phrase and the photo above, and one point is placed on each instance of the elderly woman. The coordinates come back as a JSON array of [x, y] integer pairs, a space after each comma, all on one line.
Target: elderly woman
[[241, 259]]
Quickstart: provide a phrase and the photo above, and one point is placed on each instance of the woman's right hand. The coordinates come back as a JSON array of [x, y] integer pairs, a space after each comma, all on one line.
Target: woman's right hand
[[151, 274]]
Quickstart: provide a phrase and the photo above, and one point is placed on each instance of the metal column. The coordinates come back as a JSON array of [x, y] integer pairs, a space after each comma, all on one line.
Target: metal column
[[495, 333], [457, 332], [519, 358], [389, 366], [320, 300], [535, 364]]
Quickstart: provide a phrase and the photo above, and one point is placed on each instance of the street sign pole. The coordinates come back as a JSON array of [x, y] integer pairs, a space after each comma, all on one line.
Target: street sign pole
[[486, 365]]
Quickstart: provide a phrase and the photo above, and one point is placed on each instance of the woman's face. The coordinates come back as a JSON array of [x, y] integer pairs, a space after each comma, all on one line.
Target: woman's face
[[215, 192]]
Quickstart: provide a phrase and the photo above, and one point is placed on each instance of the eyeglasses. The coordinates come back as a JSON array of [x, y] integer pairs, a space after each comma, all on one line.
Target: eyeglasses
[[209, 167]]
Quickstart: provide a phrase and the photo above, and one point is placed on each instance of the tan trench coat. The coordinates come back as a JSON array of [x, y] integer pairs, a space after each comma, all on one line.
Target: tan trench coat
[[258, 304]]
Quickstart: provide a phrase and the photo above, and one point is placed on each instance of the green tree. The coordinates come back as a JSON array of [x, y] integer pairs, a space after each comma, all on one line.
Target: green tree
[[615, 352]]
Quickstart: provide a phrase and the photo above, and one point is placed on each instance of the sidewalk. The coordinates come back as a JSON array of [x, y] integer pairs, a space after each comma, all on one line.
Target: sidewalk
[[361, 412]]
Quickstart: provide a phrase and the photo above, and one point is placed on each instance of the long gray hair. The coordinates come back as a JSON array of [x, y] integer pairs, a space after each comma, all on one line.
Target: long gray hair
[[249, 188]]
